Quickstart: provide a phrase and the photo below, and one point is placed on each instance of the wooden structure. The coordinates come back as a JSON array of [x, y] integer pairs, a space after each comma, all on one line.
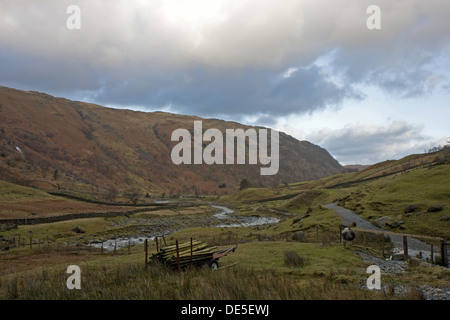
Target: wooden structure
[[183, 255]]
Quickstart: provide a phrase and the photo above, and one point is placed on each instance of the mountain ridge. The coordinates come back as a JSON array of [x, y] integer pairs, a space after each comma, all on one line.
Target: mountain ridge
[[59, 144]]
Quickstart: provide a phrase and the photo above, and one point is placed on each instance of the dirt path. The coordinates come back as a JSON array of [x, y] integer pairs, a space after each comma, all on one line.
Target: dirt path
[[415, 247]]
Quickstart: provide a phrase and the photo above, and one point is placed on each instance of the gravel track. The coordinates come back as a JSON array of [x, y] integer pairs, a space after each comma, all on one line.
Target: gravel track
[[415, 247]]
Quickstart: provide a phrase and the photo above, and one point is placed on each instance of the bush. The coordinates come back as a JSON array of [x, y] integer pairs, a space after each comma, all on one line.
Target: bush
[[292, 259]]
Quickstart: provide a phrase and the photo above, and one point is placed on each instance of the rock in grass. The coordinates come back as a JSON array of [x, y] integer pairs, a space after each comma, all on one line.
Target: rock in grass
[[436, 208], [298, 236], [385, 221], [410, 208], [78, 230]]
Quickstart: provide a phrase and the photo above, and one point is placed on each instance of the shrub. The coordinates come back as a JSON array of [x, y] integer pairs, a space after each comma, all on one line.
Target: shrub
[[292, 259]]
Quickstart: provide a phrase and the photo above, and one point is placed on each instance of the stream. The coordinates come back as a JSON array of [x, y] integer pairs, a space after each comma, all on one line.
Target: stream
[[224, 216], [241, 221]]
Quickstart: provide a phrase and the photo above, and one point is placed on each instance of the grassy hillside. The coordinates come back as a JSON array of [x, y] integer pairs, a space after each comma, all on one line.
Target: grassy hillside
[[384, 189], [390, 196], [58, 144], [13, 192]]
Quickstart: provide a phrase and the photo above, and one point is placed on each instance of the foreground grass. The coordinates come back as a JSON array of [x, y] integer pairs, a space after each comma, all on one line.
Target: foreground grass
[[263, 272], [134, 281]]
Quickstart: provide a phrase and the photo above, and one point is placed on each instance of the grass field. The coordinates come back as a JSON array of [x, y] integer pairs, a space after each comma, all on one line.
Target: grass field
[[262, 273], [271, 264]]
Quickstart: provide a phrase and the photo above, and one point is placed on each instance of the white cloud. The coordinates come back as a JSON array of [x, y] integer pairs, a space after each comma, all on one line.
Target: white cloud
[[289, 72], [365, 143], [255, 60]]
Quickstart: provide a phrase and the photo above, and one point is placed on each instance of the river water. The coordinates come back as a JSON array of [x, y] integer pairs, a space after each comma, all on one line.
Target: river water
[[241, 221], [225, 218]]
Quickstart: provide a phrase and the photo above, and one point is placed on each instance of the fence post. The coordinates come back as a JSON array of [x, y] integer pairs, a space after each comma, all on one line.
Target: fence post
[[431, 253], [146, 249], [191, 250], [178, 256], [444, 257], [405, 247]]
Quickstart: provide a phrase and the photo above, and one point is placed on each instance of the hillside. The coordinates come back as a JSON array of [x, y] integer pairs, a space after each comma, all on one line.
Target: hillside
[[299, 257], [412, 192], [57, 144]]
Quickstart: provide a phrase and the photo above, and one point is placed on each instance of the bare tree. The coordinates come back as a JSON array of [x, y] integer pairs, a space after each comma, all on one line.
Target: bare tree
[[133, 195], [111, 196]]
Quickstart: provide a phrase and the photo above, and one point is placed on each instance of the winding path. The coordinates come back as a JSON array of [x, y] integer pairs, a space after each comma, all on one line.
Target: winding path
[[415, 247]]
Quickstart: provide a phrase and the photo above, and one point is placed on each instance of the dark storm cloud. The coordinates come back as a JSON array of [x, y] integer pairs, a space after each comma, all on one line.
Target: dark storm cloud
[[224, 58], [231, 92], [403, 74]]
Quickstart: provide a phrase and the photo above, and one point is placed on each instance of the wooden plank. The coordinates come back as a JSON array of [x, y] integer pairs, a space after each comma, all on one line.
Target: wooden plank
[[180, 245], [186, 251], [230, 265]]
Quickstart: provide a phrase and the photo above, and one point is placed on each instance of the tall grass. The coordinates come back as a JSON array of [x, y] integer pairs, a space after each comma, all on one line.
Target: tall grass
[[155, 282], [292, 259]]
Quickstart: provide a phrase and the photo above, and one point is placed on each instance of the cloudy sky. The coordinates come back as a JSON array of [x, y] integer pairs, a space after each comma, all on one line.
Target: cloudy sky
[[310, 68]]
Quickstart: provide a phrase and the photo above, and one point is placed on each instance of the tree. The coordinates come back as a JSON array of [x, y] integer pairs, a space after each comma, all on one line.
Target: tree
[[244, 184], [55, 175], [112, 194], [132, 195]]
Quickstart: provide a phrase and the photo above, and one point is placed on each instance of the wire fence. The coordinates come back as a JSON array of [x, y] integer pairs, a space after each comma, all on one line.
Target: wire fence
[[64, 246]]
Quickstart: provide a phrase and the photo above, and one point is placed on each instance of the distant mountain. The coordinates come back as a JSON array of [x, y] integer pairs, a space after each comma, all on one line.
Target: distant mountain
[[59, 144], [355, 167]]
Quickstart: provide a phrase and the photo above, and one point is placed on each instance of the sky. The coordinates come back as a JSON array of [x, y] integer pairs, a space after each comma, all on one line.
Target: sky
[[310, 68]]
